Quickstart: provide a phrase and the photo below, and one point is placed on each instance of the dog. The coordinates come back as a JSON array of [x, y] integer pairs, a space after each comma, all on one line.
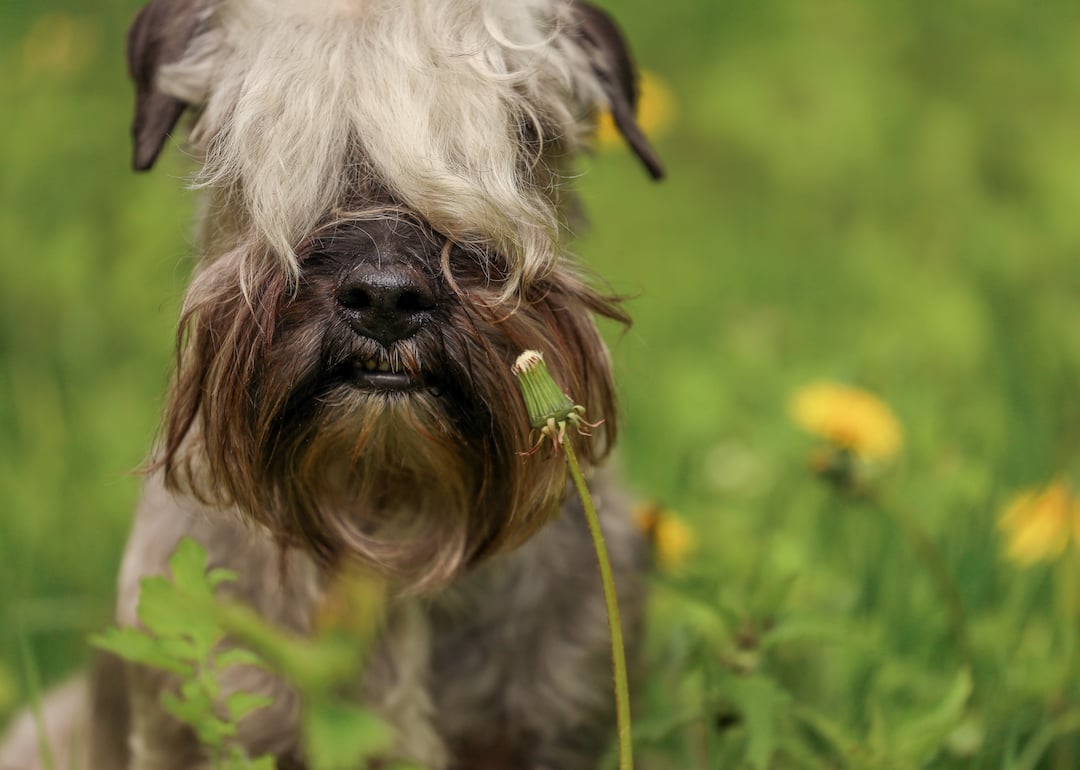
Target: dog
[[386, 211]]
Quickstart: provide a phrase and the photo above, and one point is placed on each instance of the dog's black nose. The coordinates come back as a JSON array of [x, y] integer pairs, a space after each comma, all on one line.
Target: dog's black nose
[[387, 302]]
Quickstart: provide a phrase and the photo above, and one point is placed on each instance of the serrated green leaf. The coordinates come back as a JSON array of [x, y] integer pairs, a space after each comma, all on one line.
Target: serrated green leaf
[[137, 646], [235, 755], [188, 566], [181, 649], [214, 732], [158, 607], [211, 730], [339, 736], [265, 762], [240, 704], [219, 575], [237, 656], [208, 682], [189, 710], [171, 614], [191, 690]]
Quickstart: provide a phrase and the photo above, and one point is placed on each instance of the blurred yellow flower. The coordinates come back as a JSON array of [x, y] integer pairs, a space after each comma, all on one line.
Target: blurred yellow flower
[[672, 540], [1040, 523], [60, 44], [655, 112], [849, 418]]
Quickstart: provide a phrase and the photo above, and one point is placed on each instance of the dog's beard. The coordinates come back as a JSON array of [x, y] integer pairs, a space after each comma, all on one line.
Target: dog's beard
[[273, 413], [384, 478]]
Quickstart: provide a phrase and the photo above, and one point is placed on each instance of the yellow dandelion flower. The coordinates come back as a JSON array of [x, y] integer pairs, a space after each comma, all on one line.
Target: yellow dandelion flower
[[655, 112], [849, 418], [1039, 524], [672, 540], [60, 44]]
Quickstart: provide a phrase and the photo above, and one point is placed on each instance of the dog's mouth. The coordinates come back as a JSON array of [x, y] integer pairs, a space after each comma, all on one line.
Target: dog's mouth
[[381, 373]]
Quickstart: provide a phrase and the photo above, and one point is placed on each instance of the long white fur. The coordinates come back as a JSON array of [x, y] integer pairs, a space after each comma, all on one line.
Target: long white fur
[[424, 98]]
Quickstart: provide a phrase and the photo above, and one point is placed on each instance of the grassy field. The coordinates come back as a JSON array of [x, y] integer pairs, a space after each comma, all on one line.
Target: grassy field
[[885, 195]]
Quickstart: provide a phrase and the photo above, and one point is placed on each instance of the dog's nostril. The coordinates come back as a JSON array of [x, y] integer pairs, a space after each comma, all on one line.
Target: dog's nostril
[[412, 301], [354, 298]]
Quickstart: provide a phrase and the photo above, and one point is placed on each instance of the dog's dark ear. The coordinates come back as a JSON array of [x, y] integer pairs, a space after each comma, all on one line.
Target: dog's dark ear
[[614, 68], [158, 36]]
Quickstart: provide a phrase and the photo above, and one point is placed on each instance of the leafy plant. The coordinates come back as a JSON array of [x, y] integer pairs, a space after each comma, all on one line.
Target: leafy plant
[[179, 636], [189, 632]]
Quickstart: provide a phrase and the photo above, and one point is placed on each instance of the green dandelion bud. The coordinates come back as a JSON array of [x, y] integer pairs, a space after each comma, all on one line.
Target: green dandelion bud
[[543, 398], [550, 409]]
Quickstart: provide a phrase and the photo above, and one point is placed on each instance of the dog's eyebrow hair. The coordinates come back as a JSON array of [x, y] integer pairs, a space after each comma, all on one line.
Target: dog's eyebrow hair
[[297, 136]]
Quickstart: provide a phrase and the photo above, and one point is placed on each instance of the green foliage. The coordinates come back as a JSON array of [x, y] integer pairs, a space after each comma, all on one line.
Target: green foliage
[[339, 735], [184, 632], [179, 635]]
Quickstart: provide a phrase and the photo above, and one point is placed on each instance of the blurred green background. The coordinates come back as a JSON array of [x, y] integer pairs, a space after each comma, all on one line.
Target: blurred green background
[[885, 194]]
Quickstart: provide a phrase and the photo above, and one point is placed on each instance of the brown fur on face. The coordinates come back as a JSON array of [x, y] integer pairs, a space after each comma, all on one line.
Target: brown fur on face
[[265, 415]]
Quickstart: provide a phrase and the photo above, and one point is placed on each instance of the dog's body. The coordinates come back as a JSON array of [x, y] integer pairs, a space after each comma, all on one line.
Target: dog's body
[[384, 232]]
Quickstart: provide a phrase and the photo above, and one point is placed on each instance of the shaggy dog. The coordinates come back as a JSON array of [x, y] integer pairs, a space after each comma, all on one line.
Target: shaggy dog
[[385, 226]]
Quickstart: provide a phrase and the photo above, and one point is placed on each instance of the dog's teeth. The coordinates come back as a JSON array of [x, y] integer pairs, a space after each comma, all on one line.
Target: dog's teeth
[[384, 366]]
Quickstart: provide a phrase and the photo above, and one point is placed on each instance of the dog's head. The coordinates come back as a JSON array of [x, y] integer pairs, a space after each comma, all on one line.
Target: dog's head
[[385, 231]]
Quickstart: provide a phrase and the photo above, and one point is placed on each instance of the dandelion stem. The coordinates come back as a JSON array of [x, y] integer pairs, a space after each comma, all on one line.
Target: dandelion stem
[[550, 411], [618, 652]]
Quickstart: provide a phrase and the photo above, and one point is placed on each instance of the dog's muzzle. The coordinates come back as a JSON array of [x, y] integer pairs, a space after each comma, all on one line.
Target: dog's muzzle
[[387, 303]]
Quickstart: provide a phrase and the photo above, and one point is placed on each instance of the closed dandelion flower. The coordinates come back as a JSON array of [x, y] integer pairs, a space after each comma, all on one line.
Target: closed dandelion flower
[[655, 112], [550, 410], [1039, 524], [850, 419]]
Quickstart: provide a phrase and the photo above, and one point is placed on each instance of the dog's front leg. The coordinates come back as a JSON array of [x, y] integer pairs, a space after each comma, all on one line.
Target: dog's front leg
[[283, 589]]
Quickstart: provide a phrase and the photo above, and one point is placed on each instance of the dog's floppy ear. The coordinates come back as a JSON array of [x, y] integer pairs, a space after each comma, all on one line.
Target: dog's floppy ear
[[613, 67], [158, 36]]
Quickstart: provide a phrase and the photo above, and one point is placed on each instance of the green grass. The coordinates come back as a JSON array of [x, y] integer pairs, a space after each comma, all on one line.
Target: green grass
[[883, 194]]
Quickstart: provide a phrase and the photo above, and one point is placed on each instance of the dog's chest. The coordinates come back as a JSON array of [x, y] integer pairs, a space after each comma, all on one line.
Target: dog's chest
[[503, 661], [444, 671]]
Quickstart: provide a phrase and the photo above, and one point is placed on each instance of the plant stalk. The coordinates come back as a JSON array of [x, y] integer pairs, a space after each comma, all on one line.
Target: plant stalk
[[607, 579]]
